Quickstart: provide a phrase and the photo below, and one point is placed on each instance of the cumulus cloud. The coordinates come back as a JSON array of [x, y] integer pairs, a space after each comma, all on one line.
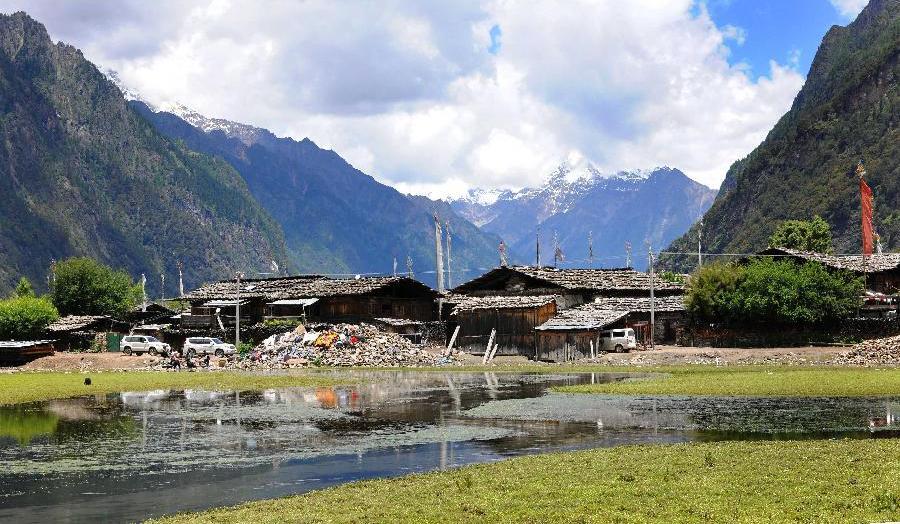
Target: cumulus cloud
[[849, 8], [435, 97]]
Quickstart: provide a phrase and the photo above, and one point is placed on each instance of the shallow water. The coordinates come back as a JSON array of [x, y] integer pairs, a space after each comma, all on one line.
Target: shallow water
[[129, 456]]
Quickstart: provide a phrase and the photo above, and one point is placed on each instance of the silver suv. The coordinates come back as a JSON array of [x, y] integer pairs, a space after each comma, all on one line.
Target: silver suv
[[140, 344], [208, 345]]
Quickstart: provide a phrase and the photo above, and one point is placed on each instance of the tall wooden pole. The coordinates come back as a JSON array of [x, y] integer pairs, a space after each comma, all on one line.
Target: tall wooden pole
[[652, 300]]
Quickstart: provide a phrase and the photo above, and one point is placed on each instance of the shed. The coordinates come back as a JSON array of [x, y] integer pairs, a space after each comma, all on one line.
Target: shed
[[669, 315], [512, 318], [16, 352], [571, 334]]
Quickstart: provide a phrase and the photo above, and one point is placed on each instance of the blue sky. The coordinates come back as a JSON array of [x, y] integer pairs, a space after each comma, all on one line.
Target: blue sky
[[780, 30]]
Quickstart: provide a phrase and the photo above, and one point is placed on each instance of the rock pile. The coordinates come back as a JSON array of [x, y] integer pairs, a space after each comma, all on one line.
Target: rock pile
[[340, 345], [874, 352]]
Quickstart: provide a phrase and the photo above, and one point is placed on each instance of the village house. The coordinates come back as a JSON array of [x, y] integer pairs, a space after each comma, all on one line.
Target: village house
[[880, 270], [513, 301], [310, 297]]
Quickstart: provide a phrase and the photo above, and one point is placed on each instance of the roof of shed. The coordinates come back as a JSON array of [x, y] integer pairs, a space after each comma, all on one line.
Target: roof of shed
[[470, 303], [874, 263], [620, 279], [583, 317], [303, 286], [75, 322]]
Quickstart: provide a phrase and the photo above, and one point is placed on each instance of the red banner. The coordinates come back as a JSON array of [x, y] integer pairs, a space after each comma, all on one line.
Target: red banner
[[865, 194]]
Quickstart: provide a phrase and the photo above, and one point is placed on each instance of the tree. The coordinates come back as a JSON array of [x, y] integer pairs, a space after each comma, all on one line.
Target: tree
[[24, 288], [803, 235], [24, 318], [83, 286], [773, 291]]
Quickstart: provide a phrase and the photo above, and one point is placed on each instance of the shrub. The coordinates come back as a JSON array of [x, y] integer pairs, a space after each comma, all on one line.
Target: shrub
[[775, 291], [804, 235], [83, 286], [25, 318]]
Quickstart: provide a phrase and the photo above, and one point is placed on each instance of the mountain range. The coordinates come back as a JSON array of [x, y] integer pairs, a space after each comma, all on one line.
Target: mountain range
[[574, 202], [848, 110], [336, 219]]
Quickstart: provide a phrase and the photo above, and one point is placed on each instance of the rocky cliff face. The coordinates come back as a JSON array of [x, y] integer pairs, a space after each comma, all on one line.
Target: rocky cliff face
[[848, 109], [655, 206], [81, 173]]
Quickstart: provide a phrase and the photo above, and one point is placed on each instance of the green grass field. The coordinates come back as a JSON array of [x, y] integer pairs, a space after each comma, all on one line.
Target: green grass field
[[779, 381], [760, 482], [27, 387]]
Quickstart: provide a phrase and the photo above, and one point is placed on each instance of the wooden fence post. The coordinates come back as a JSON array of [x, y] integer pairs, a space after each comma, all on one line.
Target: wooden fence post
[[490, 344]]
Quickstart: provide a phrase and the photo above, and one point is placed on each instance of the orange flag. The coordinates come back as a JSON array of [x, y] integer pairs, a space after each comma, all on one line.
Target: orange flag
[[865, 194]]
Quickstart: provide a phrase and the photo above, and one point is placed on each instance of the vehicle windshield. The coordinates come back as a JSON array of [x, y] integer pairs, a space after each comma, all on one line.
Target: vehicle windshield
[[217, 341], [152, 339]]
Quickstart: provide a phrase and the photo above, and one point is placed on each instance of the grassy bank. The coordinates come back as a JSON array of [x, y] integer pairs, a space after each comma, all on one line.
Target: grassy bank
[[27, 387], [811, 481], [756, 381]]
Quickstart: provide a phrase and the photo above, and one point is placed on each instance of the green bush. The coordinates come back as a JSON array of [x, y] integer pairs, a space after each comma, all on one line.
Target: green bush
[[83, 286], [25, 318], [773, 291], [804, 235]]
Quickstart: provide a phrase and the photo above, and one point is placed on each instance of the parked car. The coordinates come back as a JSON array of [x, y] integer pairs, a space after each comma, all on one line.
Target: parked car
[[208, 345], [140, 344], [618, 340]]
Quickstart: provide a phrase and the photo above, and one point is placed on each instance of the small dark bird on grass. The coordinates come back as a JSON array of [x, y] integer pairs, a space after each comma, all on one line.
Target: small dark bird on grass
[[87, 381]]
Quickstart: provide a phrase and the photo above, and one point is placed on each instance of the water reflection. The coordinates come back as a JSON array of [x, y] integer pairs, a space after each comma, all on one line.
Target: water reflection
[[132, 455]]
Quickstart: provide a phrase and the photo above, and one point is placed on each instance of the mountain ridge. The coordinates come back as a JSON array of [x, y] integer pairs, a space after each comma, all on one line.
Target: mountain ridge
[[847, 110], [84, 175]]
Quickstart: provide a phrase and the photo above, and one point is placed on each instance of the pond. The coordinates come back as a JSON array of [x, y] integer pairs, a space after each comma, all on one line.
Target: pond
[[130, 456]]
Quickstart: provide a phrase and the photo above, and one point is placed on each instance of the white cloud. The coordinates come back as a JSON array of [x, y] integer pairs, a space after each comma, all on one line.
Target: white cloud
[[408, 92], [849, 8]]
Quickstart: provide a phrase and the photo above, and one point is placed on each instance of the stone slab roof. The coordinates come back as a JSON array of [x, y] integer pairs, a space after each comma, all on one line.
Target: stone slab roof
[[583, 317], [594, 280], [470, 303], [875, 263], [305, 286], [641, 304]]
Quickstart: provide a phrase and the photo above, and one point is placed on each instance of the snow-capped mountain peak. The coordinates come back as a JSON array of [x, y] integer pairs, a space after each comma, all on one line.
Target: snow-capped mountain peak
[[244, 132]]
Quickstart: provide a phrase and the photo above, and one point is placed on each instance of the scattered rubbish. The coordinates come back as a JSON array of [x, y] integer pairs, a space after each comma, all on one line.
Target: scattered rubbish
[[340, 345]]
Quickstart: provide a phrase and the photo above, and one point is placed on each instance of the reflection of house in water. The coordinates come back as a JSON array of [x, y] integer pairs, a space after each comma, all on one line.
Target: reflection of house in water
[[513, 301]]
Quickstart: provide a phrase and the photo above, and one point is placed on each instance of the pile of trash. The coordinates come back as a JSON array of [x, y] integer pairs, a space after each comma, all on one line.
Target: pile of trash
[[340, 345], [874, 352]]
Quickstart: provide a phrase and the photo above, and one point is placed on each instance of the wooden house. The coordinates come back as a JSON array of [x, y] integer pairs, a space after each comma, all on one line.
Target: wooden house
[[310, 297], [881, 271], [513, 301], [80, 332]]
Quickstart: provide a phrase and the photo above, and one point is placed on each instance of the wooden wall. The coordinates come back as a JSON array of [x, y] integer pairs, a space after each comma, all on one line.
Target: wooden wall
[[562, 346], [515, 329]]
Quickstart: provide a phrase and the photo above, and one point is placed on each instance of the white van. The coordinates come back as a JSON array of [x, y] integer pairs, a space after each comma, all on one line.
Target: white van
[[617, 340]]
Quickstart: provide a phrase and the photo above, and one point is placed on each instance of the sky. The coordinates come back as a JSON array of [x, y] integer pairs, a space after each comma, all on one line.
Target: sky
[[436, 97]]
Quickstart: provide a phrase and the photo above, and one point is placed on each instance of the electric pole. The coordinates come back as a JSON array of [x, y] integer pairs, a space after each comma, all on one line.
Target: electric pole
[[700, 244], [652, 298], [590, 249], [237, 310]]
